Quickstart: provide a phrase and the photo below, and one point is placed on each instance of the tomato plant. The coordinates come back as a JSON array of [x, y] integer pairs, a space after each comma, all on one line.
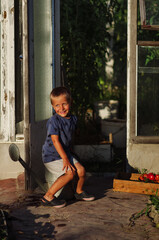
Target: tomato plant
[[149, 177]]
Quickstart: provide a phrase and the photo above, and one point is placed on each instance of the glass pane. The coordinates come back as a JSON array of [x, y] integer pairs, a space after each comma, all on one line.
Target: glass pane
[[149, 13], [152, 13], [148, 91], [42, 58]]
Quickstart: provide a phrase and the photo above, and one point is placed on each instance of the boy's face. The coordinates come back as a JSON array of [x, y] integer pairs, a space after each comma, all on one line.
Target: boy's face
[[61, 105]]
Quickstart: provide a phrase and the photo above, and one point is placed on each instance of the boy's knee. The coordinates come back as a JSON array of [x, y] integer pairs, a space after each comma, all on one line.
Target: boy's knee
[[71, 174], [81, 172]]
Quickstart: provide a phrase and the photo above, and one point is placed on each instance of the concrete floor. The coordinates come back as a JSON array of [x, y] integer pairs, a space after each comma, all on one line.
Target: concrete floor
[[110, 216]]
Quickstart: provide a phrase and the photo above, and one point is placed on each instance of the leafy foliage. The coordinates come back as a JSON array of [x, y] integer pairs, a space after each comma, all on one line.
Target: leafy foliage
[[155, 201], [120, 54], [85, 37], [152, 13], [3, 229]]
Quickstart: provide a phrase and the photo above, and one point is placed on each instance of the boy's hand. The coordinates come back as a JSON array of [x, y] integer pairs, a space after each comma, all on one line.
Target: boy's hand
[[67, 165]]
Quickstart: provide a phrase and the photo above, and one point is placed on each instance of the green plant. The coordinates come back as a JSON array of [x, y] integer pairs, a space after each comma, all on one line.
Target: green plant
[[142, 171], [3, 227], [119, 51], [151, 12], [85, 38], [153, 201]]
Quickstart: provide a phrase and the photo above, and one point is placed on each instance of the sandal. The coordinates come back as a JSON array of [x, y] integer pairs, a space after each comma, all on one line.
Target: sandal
[[54, 202], [84, 196]]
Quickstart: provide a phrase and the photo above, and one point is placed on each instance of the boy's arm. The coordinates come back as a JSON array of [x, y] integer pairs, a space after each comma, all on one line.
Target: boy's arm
[[61, 152]]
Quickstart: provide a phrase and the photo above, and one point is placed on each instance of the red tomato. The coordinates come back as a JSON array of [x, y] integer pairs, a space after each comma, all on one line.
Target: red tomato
[[151, 176], [145, 176], [157, 177], [141, 178]]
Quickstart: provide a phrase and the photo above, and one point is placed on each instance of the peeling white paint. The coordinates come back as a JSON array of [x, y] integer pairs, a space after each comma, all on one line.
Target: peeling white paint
[[7, 71]]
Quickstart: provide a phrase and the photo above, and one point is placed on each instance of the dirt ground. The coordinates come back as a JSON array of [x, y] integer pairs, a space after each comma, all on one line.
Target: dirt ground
[[110, 216]]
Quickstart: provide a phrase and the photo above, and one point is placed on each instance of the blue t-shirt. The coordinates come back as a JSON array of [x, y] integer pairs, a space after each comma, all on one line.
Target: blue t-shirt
[[62, 127]]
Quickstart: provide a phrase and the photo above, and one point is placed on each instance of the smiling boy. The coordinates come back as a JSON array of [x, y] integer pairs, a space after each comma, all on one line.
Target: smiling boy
[[56, 153]]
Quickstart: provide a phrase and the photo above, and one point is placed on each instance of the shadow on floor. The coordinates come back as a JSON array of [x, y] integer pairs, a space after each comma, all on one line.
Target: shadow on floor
[[98, 186], [25, 225]]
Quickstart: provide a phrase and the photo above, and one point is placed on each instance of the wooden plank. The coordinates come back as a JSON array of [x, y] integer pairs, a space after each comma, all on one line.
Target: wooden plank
[[148, 43], [142, 11], [135, 176], [145, 139], [150, 27], [134, 186]]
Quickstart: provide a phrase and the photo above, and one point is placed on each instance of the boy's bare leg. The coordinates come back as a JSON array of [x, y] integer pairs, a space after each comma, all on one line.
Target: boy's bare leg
[[80, 194], [81, 175], [58, 184]]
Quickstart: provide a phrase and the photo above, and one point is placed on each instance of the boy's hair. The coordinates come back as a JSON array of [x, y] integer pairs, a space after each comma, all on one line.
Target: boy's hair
[[56, 92]]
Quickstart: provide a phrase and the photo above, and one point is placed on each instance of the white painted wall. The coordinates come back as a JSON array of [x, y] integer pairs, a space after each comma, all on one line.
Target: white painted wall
[[9, 168], [142, 156]]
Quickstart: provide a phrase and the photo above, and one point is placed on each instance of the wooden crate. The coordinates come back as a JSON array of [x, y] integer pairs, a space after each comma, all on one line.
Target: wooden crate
[[128, 182]]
